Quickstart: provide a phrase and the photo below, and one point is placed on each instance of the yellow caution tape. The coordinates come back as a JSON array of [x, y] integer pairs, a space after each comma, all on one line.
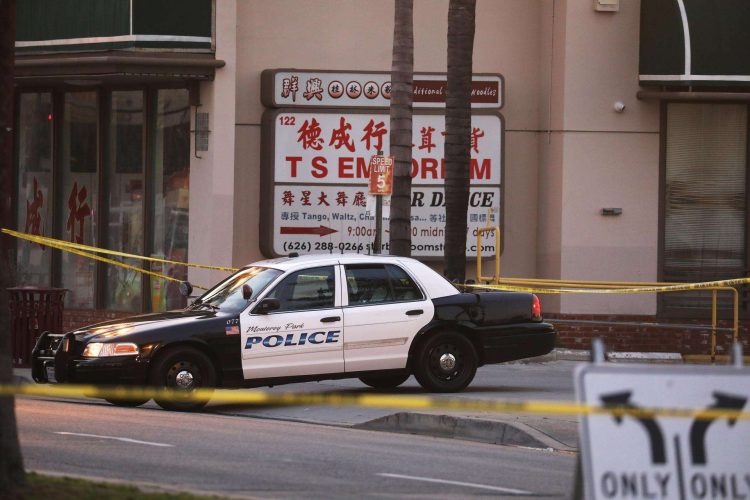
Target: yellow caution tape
[[78, 249], [64, 245], [647, 289], [255, 397], [117, 263]]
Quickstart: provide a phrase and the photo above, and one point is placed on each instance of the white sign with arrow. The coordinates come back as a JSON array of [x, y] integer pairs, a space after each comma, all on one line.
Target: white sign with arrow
[[662, 457]]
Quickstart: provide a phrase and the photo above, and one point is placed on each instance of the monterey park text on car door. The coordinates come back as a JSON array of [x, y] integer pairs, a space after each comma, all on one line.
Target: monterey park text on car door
[[315, 317]]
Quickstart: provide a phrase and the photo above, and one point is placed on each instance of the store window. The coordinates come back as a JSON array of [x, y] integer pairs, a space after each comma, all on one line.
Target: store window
[[171, 166], [79, 180], [125, 180], [112, 171], [704, 201], [34, 183]]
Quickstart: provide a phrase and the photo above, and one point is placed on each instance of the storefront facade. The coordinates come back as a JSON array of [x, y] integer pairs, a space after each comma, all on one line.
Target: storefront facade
[[585, 127]]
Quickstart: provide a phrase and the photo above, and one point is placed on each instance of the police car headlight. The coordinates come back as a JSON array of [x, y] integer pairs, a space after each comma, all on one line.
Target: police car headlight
[[101, 350]]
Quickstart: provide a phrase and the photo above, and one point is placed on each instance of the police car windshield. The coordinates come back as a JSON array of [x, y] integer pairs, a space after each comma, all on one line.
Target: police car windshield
[[227, 295]]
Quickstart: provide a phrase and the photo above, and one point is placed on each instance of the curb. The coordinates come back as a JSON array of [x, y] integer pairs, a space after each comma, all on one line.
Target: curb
[[465, 428], [639, 357], [143, 486], [620, 357]]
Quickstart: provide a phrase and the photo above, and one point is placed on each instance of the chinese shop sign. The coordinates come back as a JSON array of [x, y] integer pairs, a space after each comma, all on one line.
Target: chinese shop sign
[[310, 88], [316, 171]]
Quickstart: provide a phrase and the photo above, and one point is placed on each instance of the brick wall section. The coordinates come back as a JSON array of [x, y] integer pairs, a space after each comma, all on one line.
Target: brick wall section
[[629, 338], [77, 318]]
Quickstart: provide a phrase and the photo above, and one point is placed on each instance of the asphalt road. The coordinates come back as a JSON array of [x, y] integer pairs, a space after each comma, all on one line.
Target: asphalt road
[[239, 455]]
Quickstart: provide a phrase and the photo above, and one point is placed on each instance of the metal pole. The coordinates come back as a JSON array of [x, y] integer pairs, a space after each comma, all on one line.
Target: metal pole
[[737, 360], [713, 326], [378, 223], [597, 350], [378, 220]]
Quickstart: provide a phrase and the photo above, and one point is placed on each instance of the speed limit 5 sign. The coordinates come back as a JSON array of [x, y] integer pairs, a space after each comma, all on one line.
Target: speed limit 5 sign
[[381, 175]]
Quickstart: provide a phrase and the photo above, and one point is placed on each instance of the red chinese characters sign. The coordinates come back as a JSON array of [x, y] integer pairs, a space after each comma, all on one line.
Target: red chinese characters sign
[[322, 164]]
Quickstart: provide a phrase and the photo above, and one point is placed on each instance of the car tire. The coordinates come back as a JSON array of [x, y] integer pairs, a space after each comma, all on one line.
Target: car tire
[[385, 381], [127, 403], [186, 369], [445, 362]]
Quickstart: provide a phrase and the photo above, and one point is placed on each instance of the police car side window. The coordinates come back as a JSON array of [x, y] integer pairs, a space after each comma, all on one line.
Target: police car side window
[[307, 289], [403, 286], [368, 284]]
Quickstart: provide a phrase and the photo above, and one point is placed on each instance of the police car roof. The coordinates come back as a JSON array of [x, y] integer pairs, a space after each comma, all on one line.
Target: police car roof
[[434, 284], [286, 263]]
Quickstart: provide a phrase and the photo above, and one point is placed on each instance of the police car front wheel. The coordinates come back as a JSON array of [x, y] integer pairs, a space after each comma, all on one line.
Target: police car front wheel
[[385, 381], [127, 403], [445, 362], [183, 369]]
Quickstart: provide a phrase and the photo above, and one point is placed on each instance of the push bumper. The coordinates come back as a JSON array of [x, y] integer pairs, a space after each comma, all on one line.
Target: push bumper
[[57, 359], [516, 342]]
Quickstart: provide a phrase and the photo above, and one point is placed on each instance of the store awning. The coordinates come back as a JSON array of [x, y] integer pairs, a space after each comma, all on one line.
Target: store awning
[[115, 67], [695, 43]]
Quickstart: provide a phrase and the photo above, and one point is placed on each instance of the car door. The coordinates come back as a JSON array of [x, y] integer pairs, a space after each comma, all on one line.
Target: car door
[[384, 310], [304, 336]]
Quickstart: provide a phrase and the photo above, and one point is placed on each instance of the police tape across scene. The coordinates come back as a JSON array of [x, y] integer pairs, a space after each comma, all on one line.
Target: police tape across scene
[[44, 240], [80, 249], [256, 397], [648, 289]]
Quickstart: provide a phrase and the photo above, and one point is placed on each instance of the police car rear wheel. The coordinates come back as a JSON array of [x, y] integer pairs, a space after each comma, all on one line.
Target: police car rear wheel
[[388, 381], [183, 369], [445, 362], [126, 403]]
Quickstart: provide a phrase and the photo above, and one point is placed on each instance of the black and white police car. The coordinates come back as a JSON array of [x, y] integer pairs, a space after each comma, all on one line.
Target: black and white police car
[[315, 317]]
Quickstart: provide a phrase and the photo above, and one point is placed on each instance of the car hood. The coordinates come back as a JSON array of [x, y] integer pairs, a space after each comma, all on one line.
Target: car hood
[[129, 327]]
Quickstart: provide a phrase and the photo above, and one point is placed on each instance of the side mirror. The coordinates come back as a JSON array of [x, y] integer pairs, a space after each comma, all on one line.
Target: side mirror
[[267, 305], [186, 289], [247, 292]]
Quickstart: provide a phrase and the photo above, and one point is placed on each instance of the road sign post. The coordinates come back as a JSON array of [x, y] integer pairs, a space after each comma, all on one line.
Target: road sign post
[[381, 184], [651, 455]]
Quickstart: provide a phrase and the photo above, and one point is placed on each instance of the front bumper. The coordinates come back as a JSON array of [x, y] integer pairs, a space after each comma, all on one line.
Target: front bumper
[[57, 358]]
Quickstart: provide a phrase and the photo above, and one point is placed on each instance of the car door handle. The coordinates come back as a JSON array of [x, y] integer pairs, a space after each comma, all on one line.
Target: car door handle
[[414, 312], [331, 319]]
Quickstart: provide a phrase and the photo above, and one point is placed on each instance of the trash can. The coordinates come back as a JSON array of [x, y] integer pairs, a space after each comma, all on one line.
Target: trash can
[[33, 310]]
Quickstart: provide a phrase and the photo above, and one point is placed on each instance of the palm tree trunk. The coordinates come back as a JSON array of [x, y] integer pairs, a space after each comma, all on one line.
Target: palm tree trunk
[[461, 15], [11, 462], [402, 79]]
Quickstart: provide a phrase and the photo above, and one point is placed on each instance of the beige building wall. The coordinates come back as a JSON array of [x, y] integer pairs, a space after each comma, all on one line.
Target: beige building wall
[[607, 159], [357, 35], [568, 154], [212, 187]]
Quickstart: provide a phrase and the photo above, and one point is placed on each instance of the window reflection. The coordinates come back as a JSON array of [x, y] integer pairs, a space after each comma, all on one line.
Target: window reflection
[[171, 161], [125, 201], [57, 182], [34, 181], [78, 194]]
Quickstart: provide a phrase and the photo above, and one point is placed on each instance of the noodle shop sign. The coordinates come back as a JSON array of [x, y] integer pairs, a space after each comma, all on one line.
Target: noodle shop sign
[[342, 89]]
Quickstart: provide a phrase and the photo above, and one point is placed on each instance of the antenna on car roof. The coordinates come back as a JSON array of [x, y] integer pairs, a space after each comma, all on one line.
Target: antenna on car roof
[[293, 255]]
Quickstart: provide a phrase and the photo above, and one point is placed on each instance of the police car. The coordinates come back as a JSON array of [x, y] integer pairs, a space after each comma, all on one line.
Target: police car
[[315, 317]]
